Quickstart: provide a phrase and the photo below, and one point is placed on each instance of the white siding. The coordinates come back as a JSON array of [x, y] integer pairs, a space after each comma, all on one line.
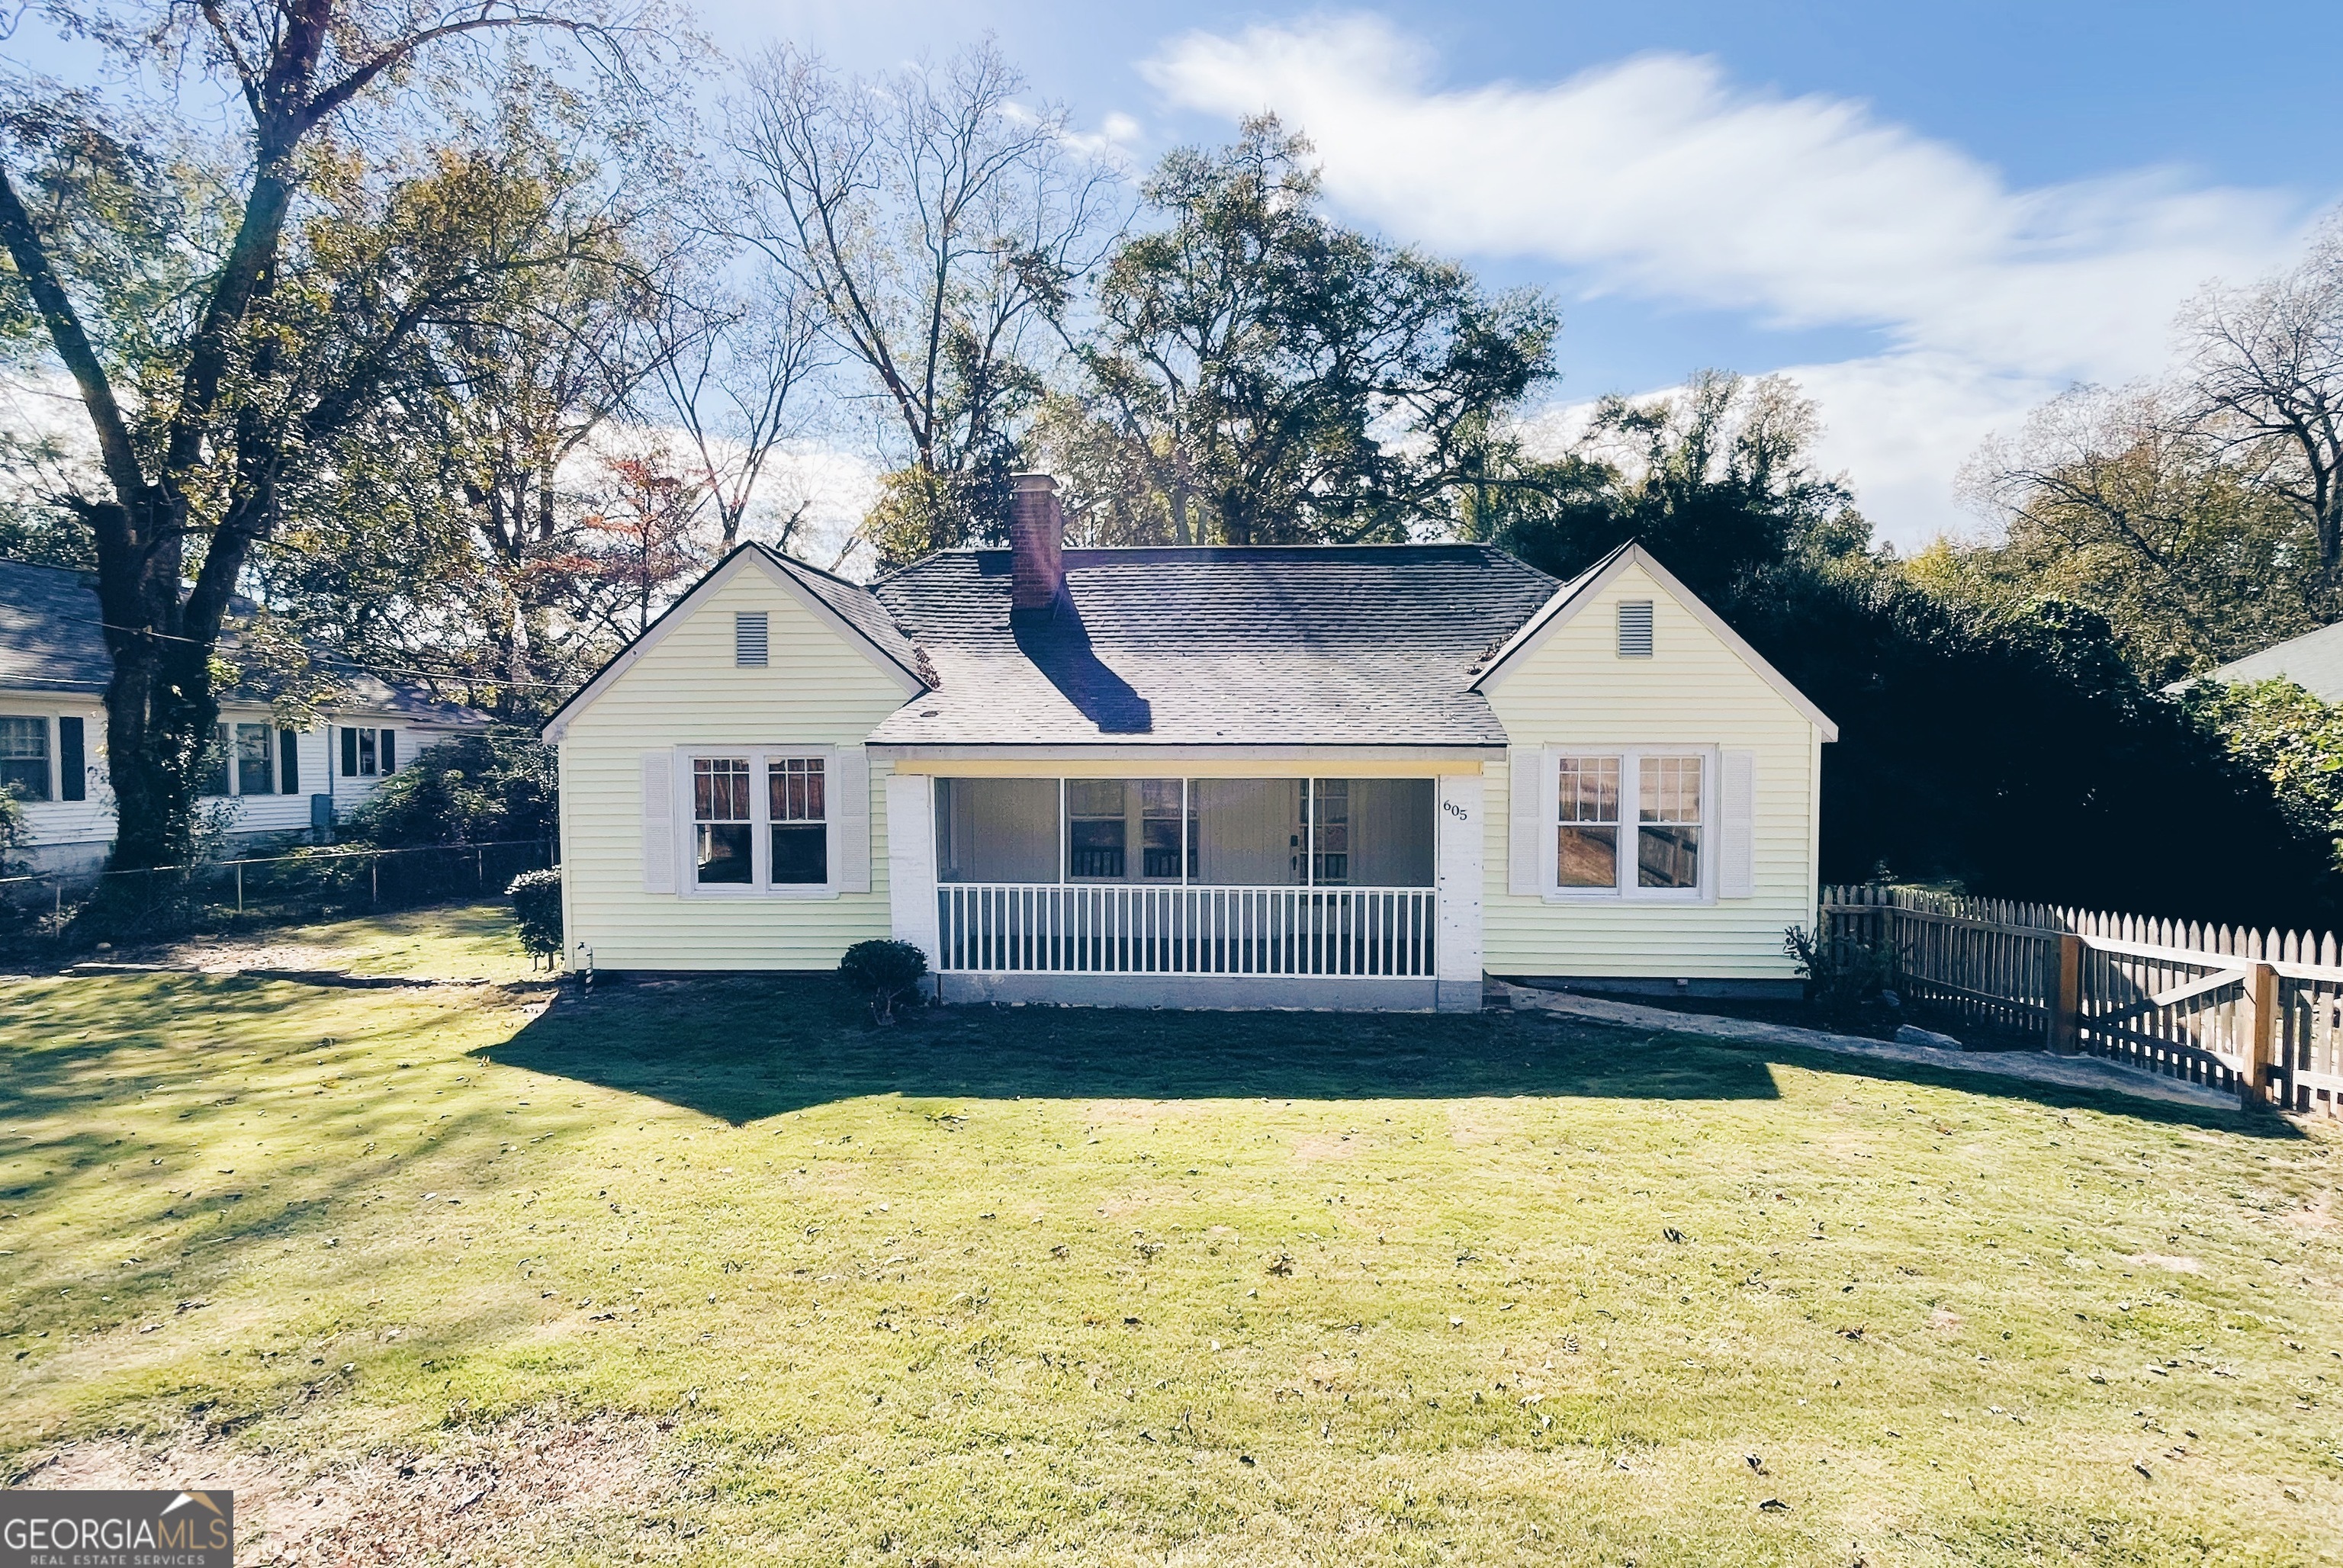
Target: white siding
[[65, 834], [818, 689], [1575, 690]]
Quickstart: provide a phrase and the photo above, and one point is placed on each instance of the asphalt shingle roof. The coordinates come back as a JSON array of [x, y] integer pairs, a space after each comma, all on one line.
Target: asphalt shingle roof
[[52, 639], [1278, 646], [2313, 661]]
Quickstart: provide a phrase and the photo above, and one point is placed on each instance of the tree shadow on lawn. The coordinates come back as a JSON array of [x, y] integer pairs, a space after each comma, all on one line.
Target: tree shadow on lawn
[[745, 1047]]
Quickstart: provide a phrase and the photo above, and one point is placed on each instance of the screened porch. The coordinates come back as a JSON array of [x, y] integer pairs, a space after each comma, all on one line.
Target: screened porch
[[1293, 877]]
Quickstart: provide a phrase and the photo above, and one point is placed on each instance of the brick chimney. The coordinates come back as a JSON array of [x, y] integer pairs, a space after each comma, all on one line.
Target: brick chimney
[[1037, 541]]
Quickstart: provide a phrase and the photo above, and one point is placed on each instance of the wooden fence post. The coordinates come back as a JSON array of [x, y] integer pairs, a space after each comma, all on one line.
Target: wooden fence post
[[2067, 1000], [2259, 1086]]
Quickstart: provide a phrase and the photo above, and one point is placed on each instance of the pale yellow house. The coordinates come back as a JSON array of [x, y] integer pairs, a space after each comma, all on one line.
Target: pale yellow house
[[1331, 777]]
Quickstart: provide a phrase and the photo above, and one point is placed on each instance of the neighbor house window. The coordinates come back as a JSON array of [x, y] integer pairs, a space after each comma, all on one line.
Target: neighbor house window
[[366, 752], [1667, 822], [799, 819], [24, 757], [1586, 845], [723, 830], [218, 779], [255, 764]]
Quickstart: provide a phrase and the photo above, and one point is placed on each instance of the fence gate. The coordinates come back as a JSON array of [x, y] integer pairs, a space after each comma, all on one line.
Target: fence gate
[[2257, 1012]]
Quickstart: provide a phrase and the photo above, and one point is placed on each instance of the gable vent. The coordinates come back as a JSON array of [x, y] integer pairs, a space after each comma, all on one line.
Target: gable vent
[[1636, 629], [749, 637]]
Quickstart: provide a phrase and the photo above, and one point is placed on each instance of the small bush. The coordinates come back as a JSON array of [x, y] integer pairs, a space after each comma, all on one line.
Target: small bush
[[471, 789], [1844, 977], [887, 970], [537, 910]]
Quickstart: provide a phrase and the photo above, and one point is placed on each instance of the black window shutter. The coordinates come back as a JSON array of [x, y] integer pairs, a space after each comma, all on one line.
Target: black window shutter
[[288, 762], [349, 752], [72, 760], [389, 750]]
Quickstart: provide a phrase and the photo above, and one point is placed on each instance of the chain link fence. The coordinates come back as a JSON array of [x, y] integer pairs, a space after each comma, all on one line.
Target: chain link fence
[[51, 909]]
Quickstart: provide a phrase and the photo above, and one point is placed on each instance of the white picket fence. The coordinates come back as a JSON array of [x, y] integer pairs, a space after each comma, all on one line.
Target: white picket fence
[[2259, 1012]]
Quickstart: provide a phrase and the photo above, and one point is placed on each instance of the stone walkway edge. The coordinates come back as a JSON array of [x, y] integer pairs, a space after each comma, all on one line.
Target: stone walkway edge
[[2068, 1072]]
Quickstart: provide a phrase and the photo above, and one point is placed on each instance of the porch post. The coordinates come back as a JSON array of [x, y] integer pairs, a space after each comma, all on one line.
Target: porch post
[[1458, 931], [911, 861]]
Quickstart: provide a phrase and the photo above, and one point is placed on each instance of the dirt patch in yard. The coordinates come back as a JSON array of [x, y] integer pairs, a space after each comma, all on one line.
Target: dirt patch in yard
[[510, 1492]]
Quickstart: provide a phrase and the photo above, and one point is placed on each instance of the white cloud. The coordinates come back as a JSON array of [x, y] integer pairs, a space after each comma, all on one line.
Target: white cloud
[[1657, 178]]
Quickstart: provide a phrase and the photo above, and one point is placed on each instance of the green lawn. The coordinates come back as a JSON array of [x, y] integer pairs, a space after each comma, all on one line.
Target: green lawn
[[718, 1271]]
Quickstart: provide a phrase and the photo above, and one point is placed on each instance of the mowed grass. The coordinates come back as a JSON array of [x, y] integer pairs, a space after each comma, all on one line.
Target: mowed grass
[[1058, 1285]]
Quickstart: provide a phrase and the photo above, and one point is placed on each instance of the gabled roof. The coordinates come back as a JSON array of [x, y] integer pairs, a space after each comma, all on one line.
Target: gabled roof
[[849, 608], [52, 639], [1367, 645], [1582, 591], [2313, 661]]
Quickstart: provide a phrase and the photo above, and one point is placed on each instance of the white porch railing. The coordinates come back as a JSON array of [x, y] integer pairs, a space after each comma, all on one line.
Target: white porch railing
[[1133, 928]]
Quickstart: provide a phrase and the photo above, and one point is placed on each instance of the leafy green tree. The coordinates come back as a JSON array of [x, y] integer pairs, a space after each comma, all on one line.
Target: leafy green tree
[[262, 350], [486, 787], [1271, 376], [2289, 737], [1717, 479], [2117, 500]]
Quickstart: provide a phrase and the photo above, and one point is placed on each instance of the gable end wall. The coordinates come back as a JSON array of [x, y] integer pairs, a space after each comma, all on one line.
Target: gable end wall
[[818, 690], [1575, 690]]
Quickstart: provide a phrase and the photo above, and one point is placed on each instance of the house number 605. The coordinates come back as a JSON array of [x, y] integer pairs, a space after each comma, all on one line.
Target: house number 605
[[1454, 810]]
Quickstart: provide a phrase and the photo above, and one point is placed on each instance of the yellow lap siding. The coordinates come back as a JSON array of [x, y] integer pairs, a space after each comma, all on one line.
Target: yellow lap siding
[[1575, 689], [818, 689]]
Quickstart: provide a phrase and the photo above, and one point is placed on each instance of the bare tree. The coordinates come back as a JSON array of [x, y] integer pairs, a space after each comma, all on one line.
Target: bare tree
[[732, 373], [935, 220], [193, 442], [2118, 498], [2266, 369]]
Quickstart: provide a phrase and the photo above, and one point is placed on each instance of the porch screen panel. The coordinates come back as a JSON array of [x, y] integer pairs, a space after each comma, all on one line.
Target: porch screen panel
[[1248, 831], [997, 829], [1390, 836]]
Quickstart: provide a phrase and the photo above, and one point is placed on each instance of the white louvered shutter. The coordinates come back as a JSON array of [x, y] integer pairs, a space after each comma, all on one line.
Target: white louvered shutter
[[658, 822], [1737, 828], [1525, 821], [850, 816]]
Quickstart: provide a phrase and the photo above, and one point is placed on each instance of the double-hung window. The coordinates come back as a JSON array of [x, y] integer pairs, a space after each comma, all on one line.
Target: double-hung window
[[799, 821], [724, 835], [24, 757], [760, 822], [1631, 823]]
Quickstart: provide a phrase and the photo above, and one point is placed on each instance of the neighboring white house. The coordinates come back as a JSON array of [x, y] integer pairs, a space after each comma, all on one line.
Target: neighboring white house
[[54, 671], [1331, 777]]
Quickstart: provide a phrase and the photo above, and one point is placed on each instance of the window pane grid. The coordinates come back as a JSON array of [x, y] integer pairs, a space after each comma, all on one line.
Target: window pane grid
[[24, 757], [794, 789], [1668, 808]]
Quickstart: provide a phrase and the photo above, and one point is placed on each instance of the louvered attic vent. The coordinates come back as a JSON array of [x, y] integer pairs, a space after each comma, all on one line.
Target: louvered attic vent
[[1635, 629], [749, 637]]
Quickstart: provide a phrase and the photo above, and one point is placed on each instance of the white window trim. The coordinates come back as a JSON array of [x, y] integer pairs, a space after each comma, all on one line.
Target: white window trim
[[1623, 891], [761, 839], [55, 757]]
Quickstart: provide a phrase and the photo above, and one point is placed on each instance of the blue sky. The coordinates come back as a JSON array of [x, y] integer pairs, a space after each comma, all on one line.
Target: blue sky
[[1933, 216]]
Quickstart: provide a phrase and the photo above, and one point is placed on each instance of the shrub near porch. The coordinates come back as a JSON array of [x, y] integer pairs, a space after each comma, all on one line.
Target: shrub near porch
[[1050, 1284]]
